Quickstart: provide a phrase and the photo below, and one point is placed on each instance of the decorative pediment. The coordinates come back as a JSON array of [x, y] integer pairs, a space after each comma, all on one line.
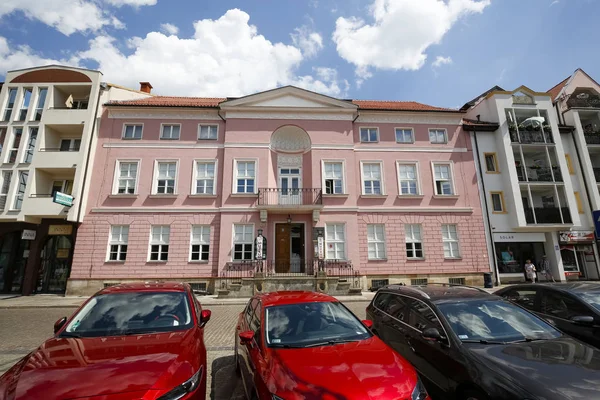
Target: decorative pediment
[[288, 97]]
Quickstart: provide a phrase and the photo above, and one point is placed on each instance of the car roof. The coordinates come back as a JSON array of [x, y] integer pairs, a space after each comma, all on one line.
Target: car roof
[[441, 293], [145, 287], [572, 287], [293, 297]]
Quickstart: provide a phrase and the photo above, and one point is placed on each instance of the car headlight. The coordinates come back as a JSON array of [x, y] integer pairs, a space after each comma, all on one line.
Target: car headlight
[[186, 387], [419, 392]]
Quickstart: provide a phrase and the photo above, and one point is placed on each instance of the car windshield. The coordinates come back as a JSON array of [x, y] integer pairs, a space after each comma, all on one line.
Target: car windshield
[[117, 314], [312, 324], [592, 298], [495, 320]]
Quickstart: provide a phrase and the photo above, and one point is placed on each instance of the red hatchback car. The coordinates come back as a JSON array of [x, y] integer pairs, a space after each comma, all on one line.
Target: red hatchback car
[[133, 341], [305, 345]]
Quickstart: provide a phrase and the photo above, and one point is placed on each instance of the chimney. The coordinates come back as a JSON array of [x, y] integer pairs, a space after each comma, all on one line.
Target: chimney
[[145, 87]]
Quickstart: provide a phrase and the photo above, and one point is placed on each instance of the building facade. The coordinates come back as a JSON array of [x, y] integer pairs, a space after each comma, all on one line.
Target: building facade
[[47, 125], [182, 187]]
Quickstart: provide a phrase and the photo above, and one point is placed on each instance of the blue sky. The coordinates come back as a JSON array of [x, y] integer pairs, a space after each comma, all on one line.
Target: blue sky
[[440, 52]]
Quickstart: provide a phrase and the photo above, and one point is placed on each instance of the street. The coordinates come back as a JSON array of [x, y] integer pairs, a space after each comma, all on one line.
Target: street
[[22, 330]]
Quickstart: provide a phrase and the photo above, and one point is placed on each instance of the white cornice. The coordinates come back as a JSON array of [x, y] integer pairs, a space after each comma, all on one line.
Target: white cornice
[[291, 113], [413, 149], [399, 117], [154, 210], [162, 113], [171, 145]]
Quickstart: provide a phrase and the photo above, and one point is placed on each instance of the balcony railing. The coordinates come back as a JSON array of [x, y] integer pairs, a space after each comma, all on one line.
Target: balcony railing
[[592, 138], [548, 215], [535, 174], [289, 197], [531, 137]]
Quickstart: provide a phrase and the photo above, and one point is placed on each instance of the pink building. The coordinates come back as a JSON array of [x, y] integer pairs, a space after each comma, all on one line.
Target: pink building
[[182, 186]]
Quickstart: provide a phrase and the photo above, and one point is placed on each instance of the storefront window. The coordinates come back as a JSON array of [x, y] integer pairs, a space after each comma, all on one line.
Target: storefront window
[[511, 257]]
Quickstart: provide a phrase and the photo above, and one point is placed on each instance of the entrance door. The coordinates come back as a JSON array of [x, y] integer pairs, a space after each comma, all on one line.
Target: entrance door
[[290, 181], [56, 265], [282, 248]]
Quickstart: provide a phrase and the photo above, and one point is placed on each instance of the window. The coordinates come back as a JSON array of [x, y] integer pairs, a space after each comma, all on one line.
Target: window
[[407, 179], [570, 164], [371, 173], [2, 138], [548, 202], [33, 132], [117, 244], [335, 238], [562, 306], [6, 178], [14, 147], [369, 135], [450, 241], [497, 202], [414, 243], [443, 179], [245, 175], [208, 132], [41, 100], [25, 104], [159, 242], [579, 203], [70, 144], [491, 163], [376, 241], [170, 132], [10, 104], [421, 317], [63, 186], [405, 135], [205, 177], [132, 131], [200, 243], [524, 297], [127, 178], [396, 307], [23, 176], [438, 136], [381, 300], [166, 177], [333, 173], [243, 242]]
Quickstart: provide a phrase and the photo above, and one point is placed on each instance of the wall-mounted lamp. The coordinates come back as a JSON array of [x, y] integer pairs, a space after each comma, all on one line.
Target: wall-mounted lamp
[[289, 219]]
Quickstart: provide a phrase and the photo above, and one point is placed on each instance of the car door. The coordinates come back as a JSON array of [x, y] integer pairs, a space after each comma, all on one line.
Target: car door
[[256, 351], [244, 351], [375, 311], [393, 326]]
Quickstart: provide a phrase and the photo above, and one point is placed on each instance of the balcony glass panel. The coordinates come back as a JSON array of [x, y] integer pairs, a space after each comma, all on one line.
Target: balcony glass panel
[[529, 126]]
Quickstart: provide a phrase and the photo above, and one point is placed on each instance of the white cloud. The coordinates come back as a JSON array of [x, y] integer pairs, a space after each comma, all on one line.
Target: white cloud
[[132, 3], [400, 32], [554, 2], [23, 57], [439, 61], [309, 42], [169, 29]]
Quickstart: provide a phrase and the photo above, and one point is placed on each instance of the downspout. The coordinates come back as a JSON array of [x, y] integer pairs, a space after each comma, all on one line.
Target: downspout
[[488, 223]]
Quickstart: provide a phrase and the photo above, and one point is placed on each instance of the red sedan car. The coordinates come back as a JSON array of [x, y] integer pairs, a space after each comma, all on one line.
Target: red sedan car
[[305, 345], [131, 341]]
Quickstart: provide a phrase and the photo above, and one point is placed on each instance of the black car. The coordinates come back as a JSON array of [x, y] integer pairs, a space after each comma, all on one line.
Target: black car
[[468, 344], [574, 308]]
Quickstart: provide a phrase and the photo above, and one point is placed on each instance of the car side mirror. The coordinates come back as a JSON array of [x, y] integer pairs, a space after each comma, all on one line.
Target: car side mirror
[[204, 317], [59, 324], [432, 334], [368, 323], [246, 337], [582, 320]]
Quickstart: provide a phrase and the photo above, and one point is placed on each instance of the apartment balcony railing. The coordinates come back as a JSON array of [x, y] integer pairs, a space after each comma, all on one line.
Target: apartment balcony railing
[[548, 215], [597, 174], [279, 197], [535, 174], [531, 137], [593, 138]]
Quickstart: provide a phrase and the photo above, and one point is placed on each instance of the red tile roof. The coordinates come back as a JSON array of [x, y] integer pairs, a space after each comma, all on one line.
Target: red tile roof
[[398, 106], [556, 89], [171, 101]]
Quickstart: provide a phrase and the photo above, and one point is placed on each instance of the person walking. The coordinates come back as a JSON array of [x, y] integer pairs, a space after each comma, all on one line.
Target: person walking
[[545, 267], [530, 271]]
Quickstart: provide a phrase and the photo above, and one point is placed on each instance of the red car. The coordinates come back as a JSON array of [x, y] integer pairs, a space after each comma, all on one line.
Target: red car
[[132, 341], [305, 345]]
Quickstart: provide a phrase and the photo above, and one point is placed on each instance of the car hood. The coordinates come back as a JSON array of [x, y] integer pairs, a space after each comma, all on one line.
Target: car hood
[[366, 369], [561, 368], [67, 368]]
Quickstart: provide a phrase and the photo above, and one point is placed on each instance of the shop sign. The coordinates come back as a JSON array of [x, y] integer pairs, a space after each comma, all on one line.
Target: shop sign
[[28, 234], [259, 247], [63, 199], [321, 247], [570, 237], [62, 253], [60, 229], [519, 237]]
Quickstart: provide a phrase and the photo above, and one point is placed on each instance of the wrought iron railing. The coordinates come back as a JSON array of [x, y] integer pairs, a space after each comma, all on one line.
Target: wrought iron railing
[[548, 215], [530, 137], [592, 139], [289, 197], [536, 174]]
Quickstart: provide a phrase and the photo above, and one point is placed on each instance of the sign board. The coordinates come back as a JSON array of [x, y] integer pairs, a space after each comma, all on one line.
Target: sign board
[[321, 247], [60, 229], [28, 234], [570, 237], [259, 247], [63, 199], [521, 237], [596, 216], [62, 253]]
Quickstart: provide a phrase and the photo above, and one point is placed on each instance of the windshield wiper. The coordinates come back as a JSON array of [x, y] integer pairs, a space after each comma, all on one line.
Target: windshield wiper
[[527, 340], [70, 335], [285, 346], [332, 342], [483, 341]]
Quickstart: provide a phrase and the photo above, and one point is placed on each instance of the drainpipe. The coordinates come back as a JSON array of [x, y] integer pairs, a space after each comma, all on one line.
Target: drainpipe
[[488, 223]]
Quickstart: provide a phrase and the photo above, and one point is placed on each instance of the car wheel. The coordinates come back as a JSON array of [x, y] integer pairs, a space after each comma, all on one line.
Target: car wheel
[[473, 395]]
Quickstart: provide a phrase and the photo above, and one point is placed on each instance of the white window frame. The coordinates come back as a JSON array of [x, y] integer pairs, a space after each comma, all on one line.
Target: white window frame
[[410, 239], [119, 243], [417, 177], [450, 165], [162, 127], [71, 143], [134, 124], [204, 231], [17, 187], [195, 176], [22, 101], [117, 176], [382, 177], [451, 240], [335, 241], [360, 128], [324, 178], [11, 117], [37, 104], [27, 150], [438, 129], [376, 240], [12, 148], [5, 191], [244, 242], [235, 175], [161, 242], [412, 134], [210, 130], [155, 177]]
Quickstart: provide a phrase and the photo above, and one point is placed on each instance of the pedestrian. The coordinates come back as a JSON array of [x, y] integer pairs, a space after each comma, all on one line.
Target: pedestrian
[[530, 271], [545, 267]]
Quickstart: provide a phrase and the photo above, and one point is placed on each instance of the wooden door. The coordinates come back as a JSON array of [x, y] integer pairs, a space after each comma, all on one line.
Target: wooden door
[[282, 248]]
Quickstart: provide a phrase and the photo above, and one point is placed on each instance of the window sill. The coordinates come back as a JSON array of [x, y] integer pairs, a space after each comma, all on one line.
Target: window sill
[[125, 138], [369, 142], [13, 210], [377, 259], [114, 262], [211, 140], [452, 258], [156, 262], [335, 195], [163, 196], [168, 138], [202, 196], [373, 196], [197, 262], [405, 142], [415, 258], [492, 172], [244, 195], [410, 196], [123, 196], [23, 164], [445, 196], [499, 212]]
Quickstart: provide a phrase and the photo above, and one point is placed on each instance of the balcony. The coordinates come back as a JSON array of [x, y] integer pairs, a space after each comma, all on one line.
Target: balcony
[[548, 215], [65, 116], [290, 199], [42, 206], [531, 137], [57, 158], [538, 174]]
